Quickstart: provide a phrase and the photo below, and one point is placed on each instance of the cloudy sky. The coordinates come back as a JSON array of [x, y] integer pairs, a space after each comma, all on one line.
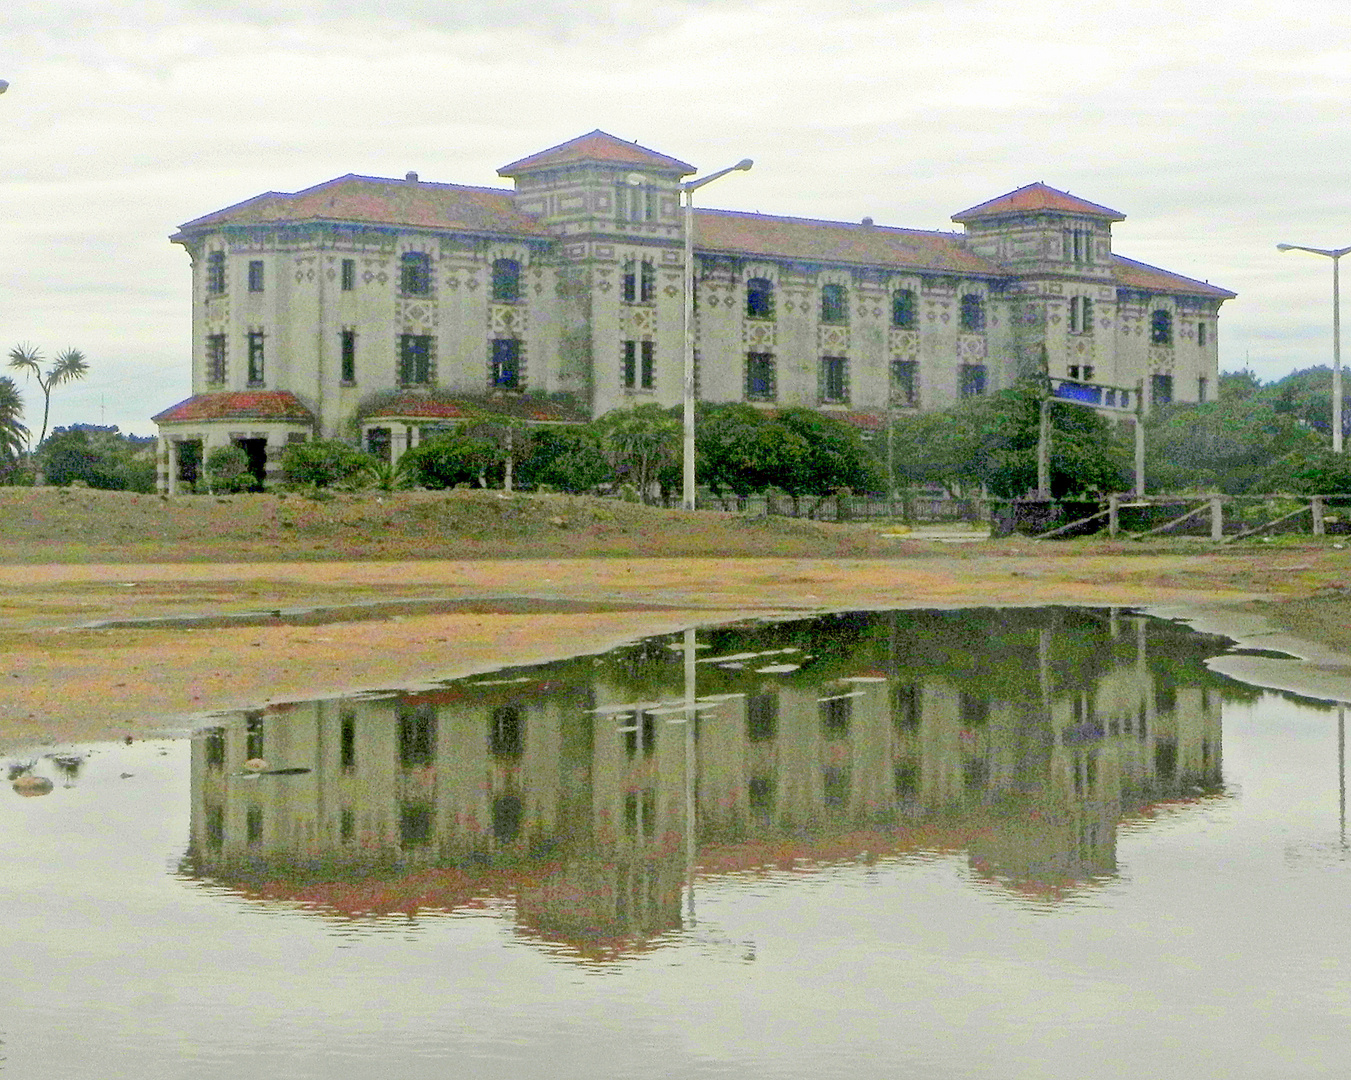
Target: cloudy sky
[[1219, 129]]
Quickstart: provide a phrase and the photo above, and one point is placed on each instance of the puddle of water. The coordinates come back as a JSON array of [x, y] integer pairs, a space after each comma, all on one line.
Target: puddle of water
[[948, 843]]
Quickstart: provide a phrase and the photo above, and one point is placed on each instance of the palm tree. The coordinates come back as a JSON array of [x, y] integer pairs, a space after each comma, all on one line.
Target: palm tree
[[13, 433], [67, 367]]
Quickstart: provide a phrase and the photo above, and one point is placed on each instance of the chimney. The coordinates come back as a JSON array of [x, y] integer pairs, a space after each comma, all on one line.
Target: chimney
[[410, 178]]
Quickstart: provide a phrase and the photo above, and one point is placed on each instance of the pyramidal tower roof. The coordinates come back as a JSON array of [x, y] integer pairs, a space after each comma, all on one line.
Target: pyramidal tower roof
[[597, 146], [1038, 196]]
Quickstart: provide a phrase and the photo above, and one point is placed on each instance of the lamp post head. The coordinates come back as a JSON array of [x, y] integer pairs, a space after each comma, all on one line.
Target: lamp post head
[[1285, 247], [743, 165], [5, 86]]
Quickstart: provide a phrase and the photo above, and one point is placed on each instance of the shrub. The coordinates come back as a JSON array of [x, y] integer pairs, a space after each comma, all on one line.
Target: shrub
[[227, 469], [323, 463]]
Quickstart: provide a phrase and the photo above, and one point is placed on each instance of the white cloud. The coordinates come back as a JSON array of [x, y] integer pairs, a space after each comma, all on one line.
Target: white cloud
[[1218, 129]]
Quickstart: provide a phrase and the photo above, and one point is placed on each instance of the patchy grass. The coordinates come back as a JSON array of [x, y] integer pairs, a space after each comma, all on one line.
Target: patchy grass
[[58, 525]]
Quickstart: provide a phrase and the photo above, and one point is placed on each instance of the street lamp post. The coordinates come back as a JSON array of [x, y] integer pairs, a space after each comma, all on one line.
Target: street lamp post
[[1335, 255], [689, 188]]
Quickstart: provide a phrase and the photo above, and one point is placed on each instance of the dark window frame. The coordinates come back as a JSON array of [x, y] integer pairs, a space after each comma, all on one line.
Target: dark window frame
[[834, 380], [216, 359], [759, 298], [348, 275], [834, 304], [215, 273], [506, 281], [1161, 327], [347, 356], [257, 357], [640, 281], [416, 359], [972, 318], [415, 273], [506, 367], [973, 380], [904, 309], [257, 276], [761, 377], [905, 383]]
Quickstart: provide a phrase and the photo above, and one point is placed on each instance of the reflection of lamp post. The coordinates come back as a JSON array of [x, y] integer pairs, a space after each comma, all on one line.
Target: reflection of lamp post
[[689, 188], [1334, 255]]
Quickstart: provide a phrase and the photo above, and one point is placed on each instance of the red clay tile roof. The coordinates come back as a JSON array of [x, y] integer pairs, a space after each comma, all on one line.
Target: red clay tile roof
[[1130, 274], [237, 405], [373, 200], [436, 406], [1037, 196], [597, 146], [735, 232]]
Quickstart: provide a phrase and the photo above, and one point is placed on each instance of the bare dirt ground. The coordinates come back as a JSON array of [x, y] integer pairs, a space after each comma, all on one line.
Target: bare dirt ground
[[369, 592]]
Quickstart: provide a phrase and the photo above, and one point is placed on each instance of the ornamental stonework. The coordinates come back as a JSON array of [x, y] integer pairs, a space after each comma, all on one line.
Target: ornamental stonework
[[832, 340], [759, 335], [1160, 359], [971, 348], [903, 344], [507, 320]]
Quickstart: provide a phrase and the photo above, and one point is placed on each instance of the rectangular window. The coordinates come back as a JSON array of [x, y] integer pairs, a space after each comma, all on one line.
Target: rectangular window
[[1081, 315], [1160, 389], [1201, 391], [1073, 371], [640, 282], [415, 273], [904, 312], [347, 742], [647, 368], [905, 383], [256, 357], [1201, 329], [348, 346], [506, 281], [834, 304], [415, 359], [255, 275], [973, 313], [760, 377], [215, 358], [638, 368], [417, 735], [1088, 373], [759, 298], [506, 371], [349, 275], [834, 380], [972, 380], [215, 273]]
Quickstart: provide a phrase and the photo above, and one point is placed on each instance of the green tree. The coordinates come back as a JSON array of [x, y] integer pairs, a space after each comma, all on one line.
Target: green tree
[[1229, 444], [13, 433], [67, 367], [639, 444], [818, 455], [100, 458], [322, 463], [227, 470], [565, 458], [735, 449], [451, 458], [934, 448]]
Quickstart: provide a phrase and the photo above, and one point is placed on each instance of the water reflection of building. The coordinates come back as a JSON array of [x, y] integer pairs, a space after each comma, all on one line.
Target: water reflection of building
[[1023, 737]]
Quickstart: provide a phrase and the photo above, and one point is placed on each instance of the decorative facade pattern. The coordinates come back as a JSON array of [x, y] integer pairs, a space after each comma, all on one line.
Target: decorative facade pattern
[[363, 285]]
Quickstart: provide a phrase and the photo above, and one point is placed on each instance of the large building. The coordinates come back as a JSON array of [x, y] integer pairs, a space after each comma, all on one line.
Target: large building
[[375, 310]]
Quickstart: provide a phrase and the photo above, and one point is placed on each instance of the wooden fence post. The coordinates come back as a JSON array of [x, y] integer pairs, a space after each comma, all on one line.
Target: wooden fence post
[[1316, 508], [1113, 511], [1216, 518]]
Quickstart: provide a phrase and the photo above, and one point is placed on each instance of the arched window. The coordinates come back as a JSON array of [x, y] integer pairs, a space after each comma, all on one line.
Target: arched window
[[759, 298], [834, 304], [1161, 328], [506, 281], [973, 312], [904, 312]]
